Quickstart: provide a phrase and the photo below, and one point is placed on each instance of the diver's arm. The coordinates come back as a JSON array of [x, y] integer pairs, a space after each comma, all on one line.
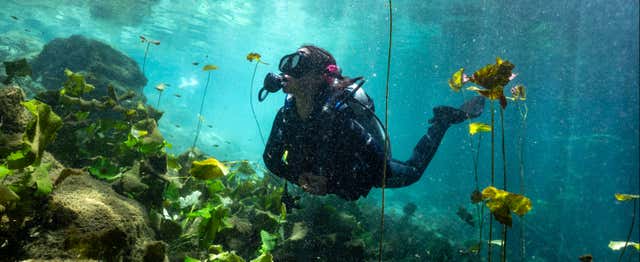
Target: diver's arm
[[274, 149]]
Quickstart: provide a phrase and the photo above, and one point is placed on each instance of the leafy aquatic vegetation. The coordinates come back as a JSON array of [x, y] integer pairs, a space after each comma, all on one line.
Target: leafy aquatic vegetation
[[203, 208], [239, 216]]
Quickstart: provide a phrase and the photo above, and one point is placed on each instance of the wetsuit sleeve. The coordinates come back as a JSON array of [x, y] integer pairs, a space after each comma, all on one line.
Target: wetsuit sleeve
[[275, 148]]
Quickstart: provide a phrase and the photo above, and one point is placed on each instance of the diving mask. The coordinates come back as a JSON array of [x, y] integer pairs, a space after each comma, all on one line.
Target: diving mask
[[295, 64]]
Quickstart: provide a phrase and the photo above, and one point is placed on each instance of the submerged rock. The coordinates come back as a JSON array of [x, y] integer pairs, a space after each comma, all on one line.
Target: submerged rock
[[101, 64], [13, 119], [17, 44], [88, 220]]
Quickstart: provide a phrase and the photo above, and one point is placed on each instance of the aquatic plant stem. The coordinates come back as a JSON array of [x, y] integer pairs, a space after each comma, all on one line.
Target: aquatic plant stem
[[479, 208], [523, 128], [504, 177], [253, 111], [386, 125], [633, 221], [195, 140], [158, 104], [492, 175], [144, 61]]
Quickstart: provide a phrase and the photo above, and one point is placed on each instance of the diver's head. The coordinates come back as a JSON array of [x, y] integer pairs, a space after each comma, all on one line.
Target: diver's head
[[310, 69], [307, 71]]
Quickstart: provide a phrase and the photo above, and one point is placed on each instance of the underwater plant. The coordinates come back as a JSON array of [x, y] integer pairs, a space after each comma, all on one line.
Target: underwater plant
[[149, 41], [255, 57], [160, 88], [75, 86], [617, 245], [208, 69], [40, 132], [209, 168], [492, 79]]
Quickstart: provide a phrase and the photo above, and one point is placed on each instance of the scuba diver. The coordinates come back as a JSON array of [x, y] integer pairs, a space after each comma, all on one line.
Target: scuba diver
[[327, 139]]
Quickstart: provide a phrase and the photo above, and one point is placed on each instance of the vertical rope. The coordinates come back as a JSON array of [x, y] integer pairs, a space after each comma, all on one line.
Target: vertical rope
[[386, 125]]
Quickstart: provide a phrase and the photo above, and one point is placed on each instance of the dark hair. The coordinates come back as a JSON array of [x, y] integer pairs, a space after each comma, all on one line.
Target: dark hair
[[320, 60]]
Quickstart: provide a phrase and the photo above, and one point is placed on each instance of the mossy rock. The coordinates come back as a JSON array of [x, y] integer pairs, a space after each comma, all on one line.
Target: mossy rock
[[101, 63]]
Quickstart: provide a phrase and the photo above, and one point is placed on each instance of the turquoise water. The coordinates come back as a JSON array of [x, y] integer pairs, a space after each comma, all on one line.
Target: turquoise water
[[578, 59]]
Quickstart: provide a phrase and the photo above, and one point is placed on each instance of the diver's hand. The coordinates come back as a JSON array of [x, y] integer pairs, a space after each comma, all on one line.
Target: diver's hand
[[316, 185]]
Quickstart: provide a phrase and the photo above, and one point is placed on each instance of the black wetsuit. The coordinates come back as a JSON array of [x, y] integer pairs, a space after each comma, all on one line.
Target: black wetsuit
[[336, 144]]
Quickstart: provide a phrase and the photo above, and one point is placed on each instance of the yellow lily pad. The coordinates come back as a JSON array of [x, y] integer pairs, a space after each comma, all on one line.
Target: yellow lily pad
[[626, 197], [209, 67], [617, 245], [253, 57], [161, 87], [455, 82], [476, 127], [495, 75], [501, 203], [209, 168]]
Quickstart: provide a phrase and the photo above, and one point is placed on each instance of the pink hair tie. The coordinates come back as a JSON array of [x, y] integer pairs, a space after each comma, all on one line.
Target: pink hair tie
[[333, 69]]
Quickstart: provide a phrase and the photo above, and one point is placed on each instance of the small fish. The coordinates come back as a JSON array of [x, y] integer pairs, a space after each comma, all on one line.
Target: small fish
[[177, 95], [27, 30], [210, 126], [195, 63], [216, 145], [586, 258], [178, 126], [465, 216], [14, 17]]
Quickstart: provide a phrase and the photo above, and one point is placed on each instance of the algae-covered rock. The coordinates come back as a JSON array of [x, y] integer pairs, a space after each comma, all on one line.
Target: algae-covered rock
[[102, 65], [16, 68], [88, 220]]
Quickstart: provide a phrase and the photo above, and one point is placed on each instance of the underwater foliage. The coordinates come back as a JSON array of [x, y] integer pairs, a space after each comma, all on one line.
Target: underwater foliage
[[209, 168], [501, 203], [456, 81], [518, 92], [617, 245], [626, 197], [209, 67], [40, 132], [149, 41], [476, 127], [103, 168], [255, 57], [492, 78], [75, 85], [145, 137]]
